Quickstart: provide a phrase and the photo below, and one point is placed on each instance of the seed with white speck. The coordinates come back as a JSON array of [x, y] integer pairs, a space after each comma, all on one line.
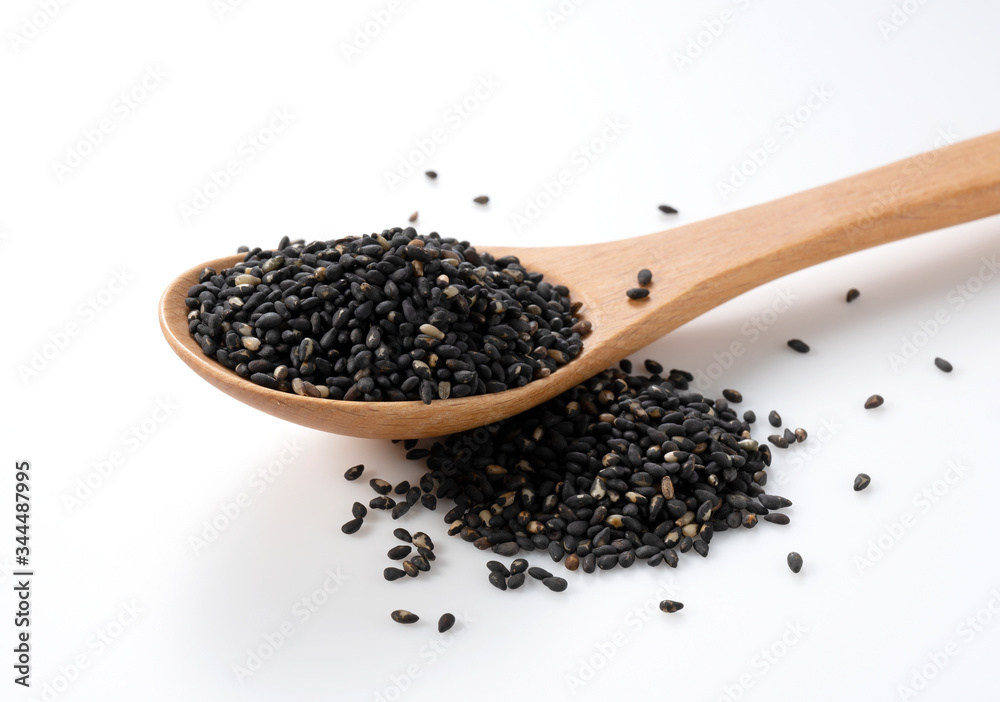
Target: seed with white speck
[[801, 435], [798, 345], [518, 565], [380, 486], [794, 559], [774, 418], [874, 401], [404, 617], [421, 563], [943, 365], [422, 540], [410, 569], [354, 472], [861, 482], [381, 502], [446, 622], [669, 606], [852, 294]]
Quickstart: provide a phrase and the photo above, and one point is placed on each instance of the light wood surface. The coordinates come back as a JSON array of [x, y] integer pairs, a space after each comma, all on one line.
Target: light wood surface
[[695, 268]]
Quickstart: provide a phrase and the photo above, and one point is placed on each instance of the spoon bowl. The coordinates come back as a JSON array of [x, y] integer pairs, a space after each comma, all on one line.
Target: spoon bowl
[[695, 267]]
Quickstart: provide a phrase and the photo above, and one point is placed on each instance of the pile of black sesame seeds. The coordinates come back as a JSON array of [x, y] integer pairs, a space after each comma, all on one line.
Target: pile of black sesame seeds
[[384, 317], [623, 467]]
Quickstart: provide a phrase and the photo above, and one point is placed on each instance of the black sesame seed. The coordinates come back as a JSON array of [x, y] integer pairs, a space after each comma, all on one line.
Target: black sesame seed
[[402, 535], [670, 606], [402, 488], [498, 567], [429, 501], [515, 581], [798, 345], [637, 293], [874, 401], [749, 417], [391, 574], [539, 573], [801, 434], [777, 518], [352, 526], [794, 559], [446, 622], [778, 440], [431, 174], [404, 617], [852, 294], [498, 581], [645, 277], [398, 553], [789, 436], [555, 584], [733, 396], [861, 482], [481, 199], [667, 209], [774, 418], [359, 510], [354, 472], [380, 486], [518, 565], [421, 563], [943, 365], [410, 569]]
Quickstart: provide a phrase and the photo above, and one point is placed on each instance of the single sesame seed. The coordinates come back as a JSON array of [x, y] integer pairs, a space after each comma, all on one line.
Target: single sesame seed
[[637, 293], [794, 562], [481, 200], [853, 294], [670, 606], [943, 365], [861, 482], [404, 617], [667, 209], [446, 622], [798, 345], [874, 401]]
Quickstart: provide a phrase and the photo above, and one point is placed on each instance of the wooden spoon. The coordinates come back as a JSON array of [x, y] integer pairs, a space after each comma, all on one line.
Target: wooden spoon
[[695, 268]]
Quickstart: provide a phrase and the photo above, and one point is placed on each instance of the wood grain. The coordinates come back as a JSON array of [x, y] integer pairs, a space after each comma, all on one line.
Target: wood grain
[[695, 268]]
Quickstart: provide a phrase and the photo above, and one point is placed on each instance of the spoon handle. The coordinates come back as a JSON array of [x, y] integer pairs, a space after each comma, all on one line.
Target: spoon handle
[[715, 260]]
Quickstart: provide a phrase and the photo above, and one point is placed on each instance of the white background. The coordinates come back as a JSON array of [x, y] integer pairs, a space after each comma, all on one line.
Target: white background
[[838, 630]]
